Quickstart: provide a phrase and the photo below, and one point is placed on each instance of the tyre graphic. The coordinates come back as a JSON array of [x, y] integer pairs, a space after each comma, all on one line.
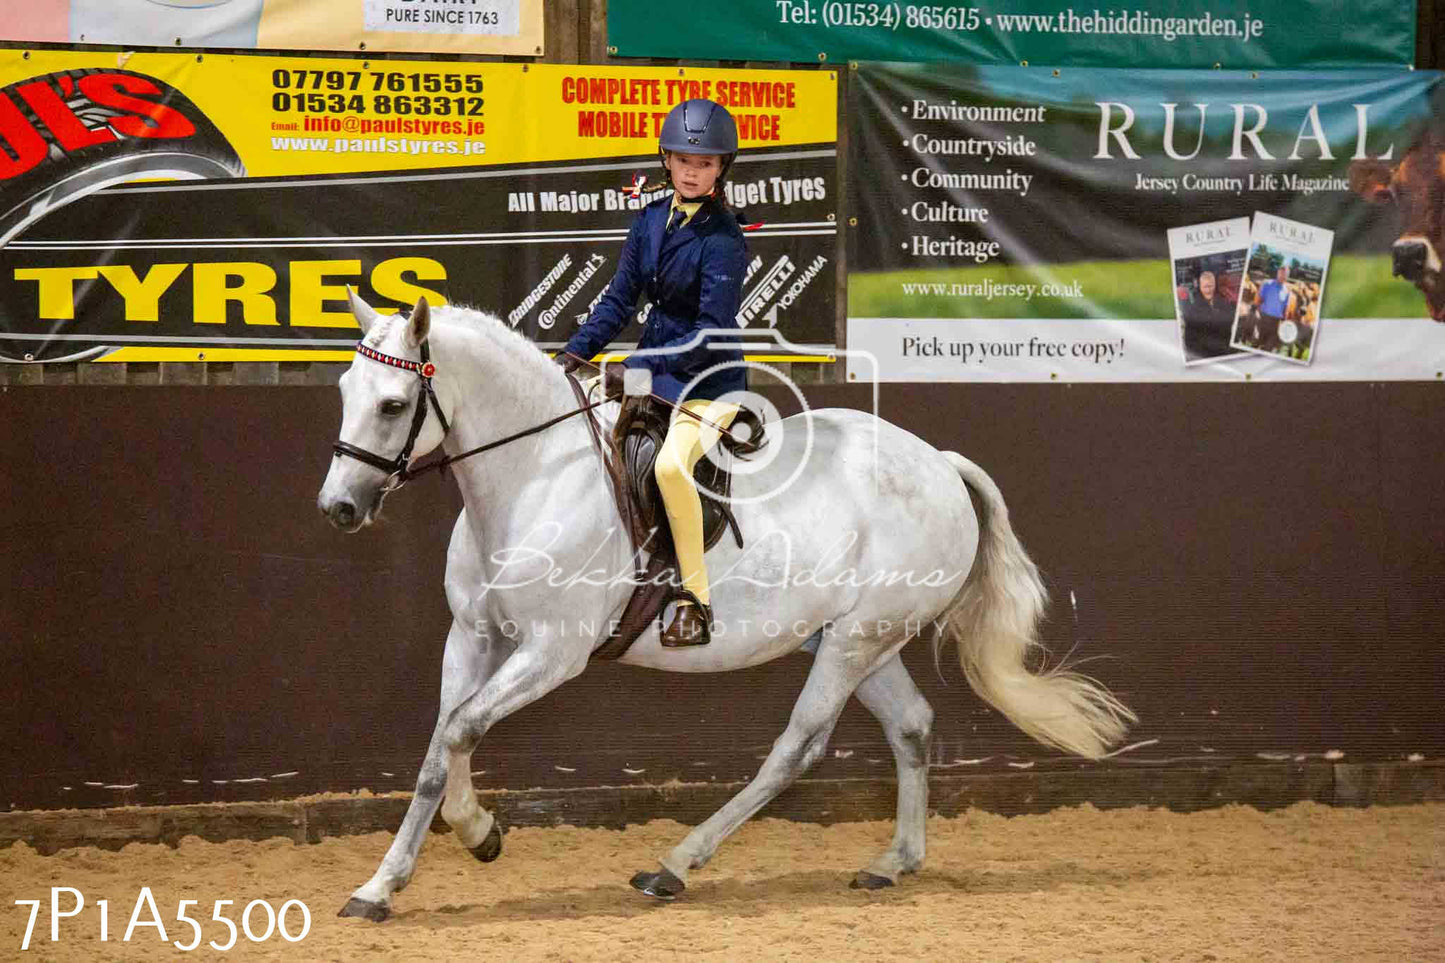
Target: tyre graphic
[[68, 134]]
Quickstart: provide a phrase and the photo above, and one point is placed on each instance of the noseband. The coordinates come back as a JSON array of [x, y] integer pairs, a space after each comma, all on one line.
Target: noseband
[[396, 468]]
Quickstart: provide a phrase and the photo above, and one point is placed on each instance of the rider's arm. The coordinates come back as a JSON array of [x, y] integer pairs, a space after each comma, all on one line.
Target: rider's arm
[[618, 302], [724, 260]]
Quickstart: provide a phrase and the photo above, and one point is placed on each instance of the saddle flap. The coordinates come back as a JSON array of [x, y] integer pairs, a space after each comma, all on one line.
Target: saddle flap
[[641, 429], [638, 436]]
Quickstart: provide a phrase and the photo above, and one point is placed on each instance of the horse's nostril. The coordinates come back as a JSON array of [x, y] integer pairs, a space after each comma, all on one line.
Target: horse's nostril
[[343, 513]]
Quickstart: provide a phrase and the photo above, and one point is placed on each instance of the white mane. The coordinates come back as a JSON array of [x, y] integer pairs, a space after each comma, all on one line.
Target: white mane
[[516, 347]]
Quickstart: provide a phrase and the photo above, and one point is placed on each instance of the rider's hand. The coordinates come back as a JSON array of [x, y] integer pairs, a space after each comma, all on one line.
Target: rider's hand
[[569, 362], [612, 380]]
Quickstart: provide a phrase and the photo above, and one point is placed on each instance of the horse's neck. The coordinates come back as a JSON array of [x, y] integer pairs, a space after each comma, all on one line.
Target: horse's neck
[[495, 399]]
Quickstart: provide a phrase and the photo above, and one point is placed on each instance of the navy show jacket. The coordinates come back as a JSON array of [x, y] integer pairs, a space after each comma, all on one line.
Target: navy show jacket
[[694, 278]]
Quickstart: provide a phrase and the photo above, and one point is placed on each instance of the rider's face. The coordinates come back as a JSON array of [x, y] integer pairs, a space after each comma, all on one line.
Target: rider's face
[[693, 174]]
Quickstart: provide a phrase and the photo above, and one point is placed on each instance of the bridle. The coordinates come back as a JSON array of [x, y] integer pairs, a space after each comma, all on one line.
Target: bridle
[[397, 470]]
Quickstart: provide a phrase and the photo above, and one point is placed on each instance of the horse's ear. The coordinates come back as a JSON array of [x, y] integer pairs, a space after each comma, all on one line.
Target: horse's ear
[[361, 311], [420, 325]]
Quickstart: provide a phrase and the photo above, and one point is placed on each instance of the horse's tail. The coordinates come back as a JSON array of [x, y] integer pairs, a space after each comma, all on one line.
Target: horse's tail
[[994, 620]]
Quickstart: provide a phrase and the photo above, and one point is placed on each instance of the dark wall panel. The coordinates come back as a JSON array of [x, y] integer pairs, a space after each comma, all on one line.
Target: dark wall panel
[[1261, 564]]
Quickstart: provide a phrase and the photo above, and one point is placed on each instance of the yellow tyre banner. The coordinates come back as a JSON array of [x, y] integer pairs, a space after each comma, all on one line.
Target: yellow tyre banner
[[164, 203], [288, 115]]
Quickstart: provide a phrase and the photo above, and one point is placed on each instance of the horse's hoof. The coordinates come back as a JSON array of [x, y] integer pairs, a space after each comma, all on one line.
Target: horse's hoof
[[661, 885], [867, 880], [365, 909], [491, 847]]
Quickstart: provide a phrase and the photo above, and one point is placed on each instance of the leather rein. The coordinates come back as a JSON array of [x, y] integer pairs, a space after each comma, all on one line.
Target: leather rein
[[399, 470]]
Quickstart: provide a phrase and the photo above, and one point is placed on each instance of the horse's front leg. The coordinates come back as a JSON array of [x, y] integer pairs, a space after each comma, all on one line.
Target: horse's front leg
[[543, 661], [469, 661], [540, 664]]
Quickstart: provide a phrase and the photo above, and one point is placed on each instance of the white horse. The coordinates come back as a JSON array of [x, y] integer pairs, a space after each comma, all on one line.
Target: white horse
[[875, 542]]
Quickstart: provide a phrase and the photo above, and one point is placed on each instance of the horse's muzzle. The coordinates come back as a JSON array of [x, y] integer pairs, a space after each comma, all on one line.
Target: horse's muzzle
[[341, 513]]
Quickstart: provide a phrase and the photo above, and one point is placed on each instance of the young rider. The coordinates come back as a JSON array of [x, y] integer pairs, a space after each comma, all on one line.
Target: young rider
[[687, 253]]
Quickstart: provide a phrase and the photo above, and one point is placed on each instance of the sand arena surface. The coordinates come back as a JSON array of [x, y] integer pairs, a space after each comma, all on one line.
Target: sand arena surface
[[1306, 883]]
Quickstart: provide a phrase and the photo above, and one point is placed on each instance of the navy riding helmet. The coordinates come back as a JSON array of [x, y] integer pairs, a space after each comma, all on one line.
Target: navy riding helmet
[[701, 127]]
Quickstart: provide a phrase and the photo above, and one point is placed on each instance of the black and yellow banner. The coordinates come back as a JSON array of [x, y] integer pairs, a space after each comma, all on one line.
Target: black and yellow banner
[[266, 185]]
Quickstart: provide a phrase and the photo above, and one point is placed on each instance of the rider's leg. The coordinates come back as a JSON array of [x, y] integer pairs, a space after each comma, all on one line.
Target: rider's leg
[[686, 442]]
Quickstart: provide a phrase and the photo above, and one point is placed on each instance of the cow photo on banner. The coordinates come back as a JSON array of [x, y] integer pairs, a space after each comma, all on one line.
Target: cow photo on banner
[[1019, 224], [506, 187]]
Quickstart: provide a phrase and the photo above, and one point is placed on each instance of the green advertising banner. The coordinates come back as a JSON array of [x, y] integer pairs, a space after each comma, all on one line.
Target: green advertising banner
[[1027, 224], [1172, 33]]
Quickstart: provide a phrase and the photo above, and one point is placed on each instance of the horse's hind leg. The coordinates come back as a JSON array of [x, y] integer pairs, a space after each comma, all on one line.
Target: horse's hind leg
[[907, 720], [835, 674], [467, 663]]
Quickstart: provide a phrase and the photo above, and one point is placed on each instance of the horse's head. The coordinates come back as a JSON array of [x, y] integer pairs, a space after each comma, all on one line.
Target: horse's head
[[389, 415]]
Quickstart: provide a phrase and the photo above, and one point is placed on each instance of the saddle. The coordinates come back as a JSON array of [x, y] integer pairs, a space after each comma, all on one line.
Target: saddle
[[628, 455], [638, 436]]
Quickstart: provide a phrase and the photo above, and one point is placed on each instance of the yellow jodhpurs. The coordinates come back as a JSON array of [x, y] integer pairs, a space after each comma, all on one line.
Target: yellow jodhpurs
[[686, 442]]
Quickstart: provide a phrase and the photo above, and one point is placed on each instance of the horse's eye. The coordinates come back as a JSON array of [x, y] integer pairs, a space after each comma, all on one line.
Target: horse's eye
[[392, 407]]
